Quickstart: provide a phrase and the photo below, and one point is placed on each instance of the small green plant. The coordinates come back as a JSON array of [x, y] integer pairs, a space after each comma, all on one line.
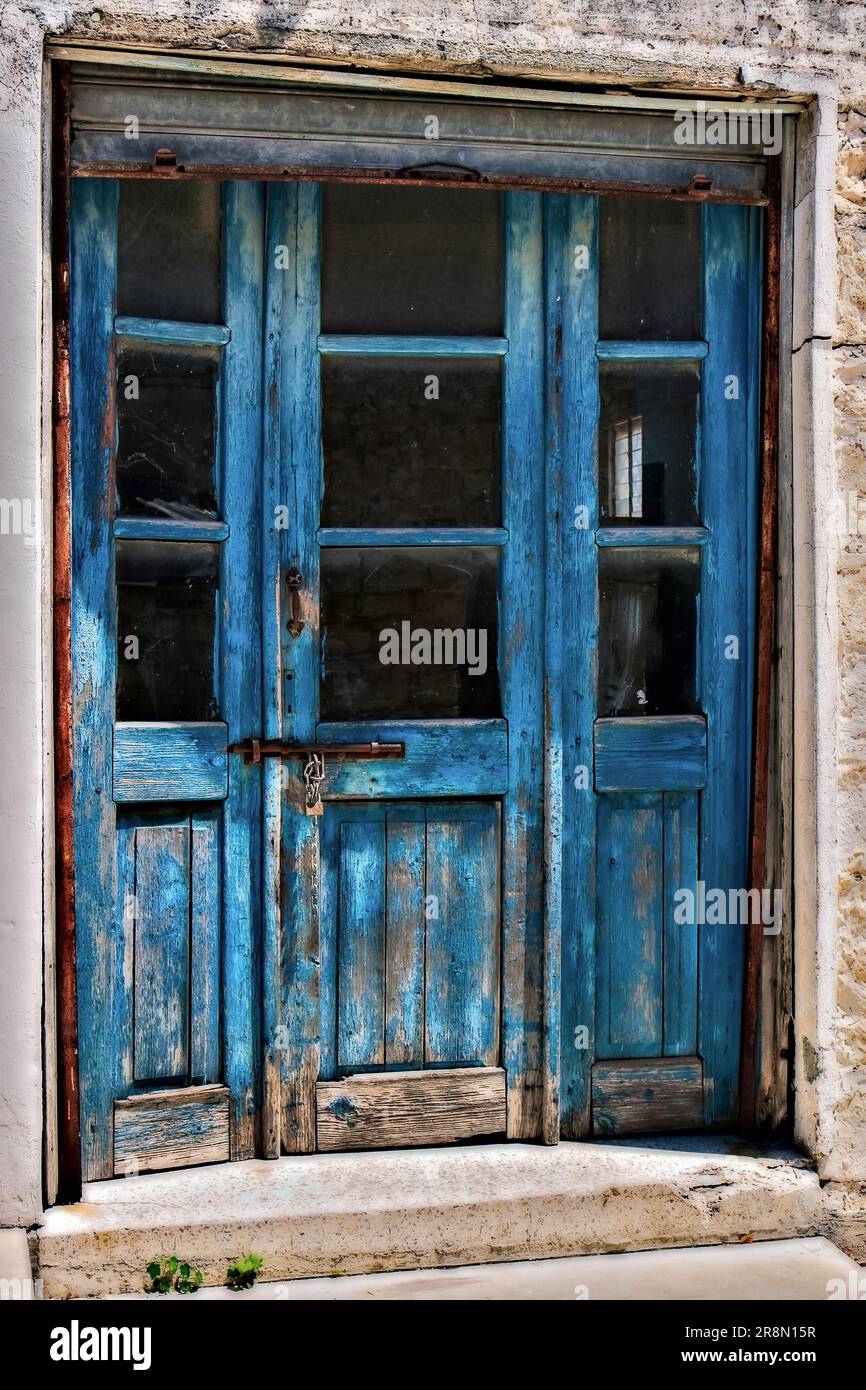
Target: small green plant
[[170, 1273], [243, 1273], [189, 1280]]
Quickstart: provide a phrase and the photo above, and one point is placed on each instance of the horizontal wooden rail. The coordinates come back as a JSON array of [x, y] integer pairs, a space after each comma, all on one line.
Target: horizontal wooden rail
[[168, 528], [651, 350], [336, 536], [167, 331], [378, 345], [623, 537]]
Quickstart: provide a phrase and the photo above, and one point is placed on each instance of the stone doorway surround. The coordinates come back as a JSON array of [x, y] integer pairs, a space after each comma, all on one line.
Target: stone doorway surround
[[822, 584]]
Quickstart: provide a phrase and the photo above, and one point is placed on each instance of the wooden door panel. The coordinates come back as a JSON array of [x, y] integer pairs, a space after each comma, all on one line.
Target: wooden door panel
[[410, 927], [647, 977], [162, 956], [629, 935], [361, 945], [169, 868], [680, 938], [404, 941], [462, 955]]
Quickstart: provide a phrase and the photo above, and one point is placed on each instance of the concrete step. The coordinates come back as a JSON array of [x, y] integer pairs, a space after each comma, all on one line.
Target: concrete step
[[807, 1268], [355, 1213]]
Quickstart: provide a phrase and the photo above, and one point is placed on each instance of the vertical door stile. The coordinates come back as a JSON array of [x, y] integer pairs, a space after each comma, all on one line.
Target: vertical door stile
[[575, 256], [727, 586], [103, 963], [240, 653], [521, 664], [295, 257], [555, 217], [276, 300]]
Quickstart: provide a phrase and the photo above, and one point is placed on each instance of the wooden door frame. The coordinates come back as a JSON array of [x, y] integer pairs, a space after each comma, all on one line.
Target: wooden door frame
[[68, 1124]]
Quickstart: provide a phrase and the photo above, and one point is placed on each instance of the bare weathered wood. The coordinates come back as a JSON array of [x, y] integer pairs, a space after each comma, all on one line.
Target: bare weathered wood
[[634, 1096], [776, 997], [399, 1109], [171, 1129], [765, 646]]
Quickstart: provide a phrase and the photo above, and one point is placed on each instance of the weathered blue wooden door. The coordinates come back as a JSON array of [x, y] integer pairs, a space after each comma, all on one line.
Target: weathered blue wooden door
[[308, 512], [655, 424], [403, 436], [413, 585], [165, 353]]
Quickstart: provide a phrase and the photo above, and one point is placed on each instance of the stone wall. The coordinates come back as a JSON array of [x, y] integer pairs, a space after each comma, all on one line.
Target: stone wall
[[709, 46]]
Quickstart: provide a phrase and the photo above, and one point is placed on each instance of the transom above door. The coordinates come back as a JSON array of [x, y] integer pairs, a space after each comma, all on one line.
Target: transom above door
[[403, 704]]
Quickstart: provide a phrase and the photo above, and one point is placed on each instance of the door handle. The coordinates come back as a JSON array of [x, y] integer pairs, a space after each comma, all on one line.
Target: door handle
[[294, 582], [254, 749]]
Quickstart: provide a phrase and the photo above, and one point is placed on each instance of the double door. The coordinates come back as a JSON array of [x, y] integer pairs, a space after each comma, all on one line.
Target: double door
[[411, 530]]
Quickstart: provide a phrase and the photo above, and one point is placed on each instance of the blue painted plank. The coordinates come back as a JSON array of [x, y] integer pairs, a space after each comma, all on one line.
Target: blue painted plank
[[102, 962], [652, 753], [521, 658], [381, 345], [630, 940], [576, 313], [405, 893], [170, 762], [329, 929], [631, 536], [455, 757], [293, 312], [368, 536], [727, 609], [167, 331], [650, 351], [680, 938], [163, 528], [273, 616], [124, 1012], [461, 1013], [240, 652], [361, 954], [206, 936], [161, 981], [556, 213]]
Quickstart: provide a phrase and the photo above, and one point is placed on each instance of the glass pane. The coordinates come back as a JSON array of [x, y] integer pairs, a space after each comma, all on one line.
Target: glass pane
[[166, 625], [411, 441], [646, 443], [648, 630], [410, 260], [168, 250], [409, 633], [650, 269], [166, 402]]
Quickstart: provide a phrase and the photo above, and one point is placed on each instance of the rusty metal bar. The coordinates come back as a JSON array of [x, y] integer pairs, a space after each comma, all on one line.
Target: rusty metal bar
[[254, 749], [765, 646], [69, 1135], [695, 191]]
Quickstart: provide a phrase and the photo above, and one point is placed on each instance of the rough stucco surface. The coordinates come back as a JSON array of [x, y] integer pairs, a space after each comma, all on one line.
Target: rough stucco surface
[[706, 45], [849, 354]]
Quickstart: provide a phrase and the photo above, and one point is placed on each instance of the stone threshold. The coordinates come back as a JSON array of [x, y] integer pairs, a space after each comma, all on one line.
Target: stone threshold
[[360, 1213]]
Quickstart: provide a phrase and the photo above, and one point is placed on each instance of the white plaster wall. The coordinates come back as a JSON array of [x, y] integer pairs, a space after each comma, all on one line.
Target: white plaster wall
[[707, 45]]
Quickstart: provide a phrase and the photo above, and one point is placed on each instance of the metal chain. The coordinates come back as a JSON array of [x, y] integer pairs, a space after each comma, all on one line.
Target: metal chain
[[314, 776]]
